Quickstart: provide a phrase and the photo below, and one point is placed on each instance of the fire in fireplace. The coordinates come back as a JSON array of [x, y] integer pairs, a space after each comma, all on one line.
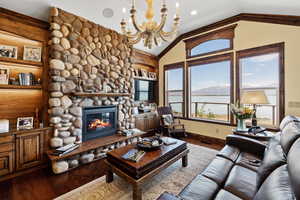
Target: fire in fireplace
[[99, 122]]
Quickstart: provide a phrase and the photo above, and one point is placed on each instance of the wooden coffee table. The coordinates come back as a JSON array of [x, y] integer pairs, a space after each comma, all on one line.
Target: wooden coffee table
[[150, 165]]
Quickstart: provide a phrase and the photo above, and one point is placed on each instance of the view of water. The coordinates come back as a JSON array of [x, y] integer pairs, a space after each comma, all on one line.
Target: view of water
[[264, 112]]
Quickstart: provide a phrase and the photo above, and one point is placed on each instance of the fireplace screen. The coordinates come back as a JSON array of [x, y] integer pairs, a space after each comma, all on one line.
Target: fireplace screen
[[99, 122]]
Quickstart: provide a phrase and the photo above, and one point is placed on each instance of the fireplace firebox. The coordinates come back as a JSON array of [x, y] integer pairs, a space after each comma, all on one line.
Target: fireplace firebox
[[99, 122]]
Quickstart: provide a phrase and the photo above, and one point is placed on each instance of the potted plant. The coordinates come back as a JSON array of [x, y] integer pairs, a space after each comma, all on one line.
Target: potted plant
[[241, 113]]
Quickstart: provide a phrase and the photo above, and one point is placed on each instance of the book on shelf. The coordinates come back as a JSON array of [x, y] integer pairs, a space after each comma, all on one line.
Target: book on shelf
[[65, 149], [26, 79]]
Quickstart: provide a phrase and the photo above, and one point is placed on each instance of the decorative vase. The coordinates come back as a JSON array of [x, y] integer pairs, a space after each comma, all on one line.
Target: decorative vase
[[241, 125]]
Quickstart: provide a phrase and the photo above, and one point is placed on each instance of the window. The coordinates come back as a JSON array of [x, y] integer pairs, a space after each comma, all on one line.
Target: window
[[174, 89], [211, 88], [210, 46], [262, 69], [213, 42]]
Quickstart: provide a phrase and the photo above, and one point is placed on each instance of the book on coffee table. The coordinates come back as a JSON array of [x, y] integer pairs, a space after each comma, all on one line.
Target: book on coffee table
[[133, 155]]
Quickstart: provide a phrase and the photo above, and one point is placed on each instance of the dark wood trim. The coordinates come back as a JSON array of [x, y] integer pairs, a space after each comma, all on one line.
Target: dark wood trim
[[170, 67], [206, 139], [223, 33], [25, 19], [209, 60], [144, 58], [265, 18], [277, 47]]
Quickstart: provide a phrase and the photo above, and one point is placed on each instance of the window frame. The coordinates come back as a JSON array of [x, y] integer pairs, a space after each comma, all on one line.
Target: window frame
[[224, 33], [210, 60], [167, 67], [257, 51]]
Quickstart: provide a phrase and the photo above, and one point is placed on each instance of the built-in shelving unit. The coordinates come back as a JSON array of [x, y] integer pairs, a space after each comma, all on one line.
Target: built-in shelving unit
[[29, 87], [22, 100]]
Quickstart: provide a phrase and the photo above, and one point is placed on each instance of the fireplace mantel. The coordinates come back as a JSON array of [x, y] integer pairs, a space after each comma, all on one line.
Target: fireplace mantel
[[86, 94]]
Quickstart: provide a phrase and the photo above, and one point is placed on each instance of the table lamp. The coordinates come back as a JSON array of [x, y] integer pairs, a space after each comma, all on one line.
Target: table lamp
[[254, 97]]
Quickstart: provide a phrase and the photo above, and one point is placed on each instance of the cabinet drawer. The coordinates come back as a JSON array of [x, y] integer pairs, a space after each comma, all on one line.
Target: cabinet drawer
[[6, 139], [6, 163], [6, 147]]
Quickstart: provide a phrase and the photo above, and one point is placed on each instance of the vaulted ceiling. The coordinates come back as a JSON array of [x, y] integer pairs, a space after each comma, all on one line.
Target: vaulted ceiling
[[208, 11]]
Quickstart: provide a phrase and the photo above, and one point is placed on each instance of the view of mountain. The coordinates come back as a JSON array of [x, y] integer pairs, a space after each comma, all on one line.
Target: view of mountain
[[215, 91]]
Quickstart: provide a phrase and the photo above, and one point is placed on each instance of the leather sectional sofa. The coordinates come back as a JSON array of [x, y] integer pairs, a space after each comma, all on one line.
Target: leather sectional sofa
[[247, 169]]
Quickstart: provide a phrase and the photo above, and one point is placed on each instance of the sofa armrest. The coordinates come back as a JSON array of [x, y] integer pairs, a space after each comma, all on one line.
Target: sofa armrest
[[246, 144]]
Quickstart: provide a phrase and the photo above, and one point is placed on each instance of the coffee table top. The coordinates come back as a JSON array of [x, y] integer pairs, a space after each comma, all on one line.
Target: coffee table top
[[149, 161]]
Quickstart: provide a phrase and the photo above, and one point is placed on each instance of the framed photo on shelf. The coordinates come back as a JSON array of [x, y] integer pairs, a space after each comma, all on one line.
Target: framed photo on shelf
[[32, 53], [144, 73], [25, 123], [4, 75], [8, 51]]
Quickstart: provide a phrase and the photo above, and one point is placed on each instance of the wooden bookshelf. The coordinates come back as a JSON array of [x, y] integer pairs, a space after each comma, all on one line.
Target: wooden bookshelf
[[30, 87], [23, 62]]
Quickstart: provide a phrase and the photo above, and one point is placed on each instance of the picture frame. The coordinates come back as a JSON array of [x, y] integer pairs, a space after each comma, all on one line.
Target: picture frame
[[7, 51], [144, 73], [4, 75], [24, 123], [32, 53]]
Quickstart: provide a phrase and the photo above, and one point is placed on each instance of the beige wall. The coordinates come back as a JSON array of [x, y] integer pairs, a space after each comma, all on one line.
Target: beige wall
[[249, 35]]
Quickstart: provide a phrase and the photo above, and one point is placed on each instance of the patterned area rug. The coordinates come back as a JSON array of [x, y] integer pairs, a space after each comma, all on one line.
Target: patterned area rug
[[173, 179]]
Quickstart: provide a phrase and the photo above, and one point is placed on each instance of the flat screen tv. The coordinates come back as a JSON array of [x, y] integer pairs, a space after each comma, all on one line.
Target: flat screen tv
[[144, 90]]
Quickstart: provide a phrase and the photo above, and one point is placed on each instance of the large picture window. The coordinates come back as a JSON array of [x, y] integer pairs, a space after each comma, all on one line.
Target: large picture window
[[210, 88], [174, 88], [262, 69]]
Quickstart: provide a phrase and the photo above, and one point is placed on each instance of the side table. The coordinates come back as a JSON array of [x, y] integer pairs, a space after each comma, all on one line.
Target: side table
[[263, 136]]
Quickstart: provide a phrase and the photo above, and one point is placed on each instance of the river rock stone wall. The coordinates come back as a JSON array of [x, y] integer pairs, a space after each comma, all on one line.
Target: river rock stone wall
[[85, 57]]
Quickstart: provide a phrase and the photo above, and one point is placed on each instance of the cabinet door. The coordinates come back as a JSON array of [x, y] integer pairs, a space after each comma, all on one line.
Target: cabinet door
[[6, 163], [152, 122], [140, 123], [29, 150]]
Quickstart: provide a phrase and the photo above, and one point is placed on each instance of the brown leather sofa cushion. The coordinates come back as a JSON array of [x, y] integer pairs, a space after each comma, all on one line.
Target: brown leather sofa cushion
[[201, 188], [241, 182], [218, 170], [229, 152], [293, 161], [274, 157], [225, 195], [277, 186]]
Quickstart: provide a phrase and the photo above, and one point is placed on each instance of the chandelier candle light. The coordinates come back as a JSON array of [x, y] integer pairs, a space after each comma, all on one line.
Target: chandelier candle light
[[150, 31]]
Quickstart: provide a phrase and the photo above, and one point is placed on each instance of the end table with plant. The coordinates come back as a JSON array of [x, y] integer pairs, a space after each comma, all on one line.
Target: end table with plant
[[241, 113]]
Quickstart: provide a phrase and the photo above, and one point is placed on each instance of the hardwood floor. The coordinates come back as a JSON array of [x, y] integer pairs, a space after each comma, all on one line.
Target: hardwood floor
[[44, 185]]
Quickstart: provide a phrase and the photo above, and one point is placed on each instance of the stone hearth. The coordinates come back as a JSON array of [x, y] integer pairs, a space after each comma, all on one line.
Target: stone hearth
[[86, 57]]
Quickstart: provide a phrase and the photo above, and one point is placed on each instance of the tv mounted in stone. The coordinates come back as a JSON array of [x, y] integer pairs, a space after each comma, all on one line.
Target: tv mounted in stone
[[99, 121]]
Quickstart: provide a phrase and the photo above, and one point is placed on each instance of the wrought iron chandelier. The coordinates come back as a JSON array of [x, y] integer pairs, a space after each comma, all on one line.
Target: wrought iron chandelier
[[150, 31]]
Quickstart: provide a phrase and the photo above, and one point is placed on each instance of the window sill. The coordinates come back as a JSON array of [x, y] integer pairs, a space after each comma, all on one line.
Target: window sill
[[209, 121]]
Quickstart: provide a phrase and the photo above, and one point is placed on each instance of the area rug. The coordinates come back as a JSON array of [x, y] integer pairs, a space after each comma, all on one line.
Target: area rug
[[173, 179]]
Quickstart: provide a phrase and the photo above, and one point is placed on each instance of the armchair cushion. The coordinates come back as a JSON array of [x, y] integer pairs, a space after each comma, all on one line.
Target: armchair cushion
[[167, 119]]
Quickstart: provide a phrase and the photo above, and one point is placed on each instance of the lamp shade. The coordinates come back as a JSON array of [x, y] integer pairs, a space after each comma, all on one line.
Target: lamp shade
[[254, 97]]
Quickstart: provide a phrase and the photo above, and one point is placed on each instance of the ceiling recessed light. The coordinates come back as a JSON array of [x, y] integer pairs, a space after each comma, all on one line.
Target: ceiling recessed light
[[194, 12], [108, 12]]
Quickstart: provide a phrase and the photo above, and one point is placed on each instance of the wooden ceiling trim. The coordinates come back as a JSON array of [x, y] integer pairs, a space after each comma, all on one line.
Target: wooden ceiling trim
[[265, 18]]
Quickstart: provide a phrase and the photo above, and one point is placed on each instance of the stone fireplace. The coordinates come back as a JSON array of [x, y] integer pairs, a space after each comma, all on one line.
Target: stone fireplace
[[90, 59], [99, 122]]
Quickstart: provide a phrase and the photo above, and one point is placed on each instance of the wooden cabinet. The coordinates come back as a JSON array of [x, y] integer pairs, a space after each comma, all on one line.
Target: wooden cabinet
[[29, 149], [6, 163], [147, 121], [21, 150]]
